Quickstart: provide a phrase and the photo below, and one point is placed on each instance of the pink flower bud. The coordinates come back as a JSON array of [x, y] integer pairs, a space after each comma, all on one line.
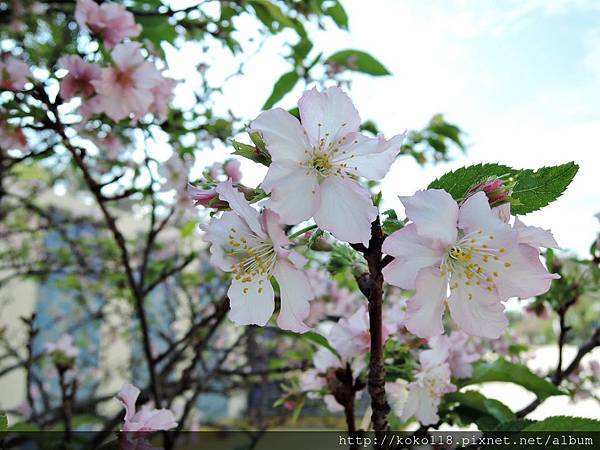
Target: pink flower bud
[[200, 196], [495, 189]]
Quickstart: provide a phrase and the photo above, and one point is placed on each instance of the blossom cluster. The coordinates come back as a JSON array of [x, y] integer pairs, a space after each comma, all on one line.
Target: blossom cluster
[[317, 163], [130, 87]]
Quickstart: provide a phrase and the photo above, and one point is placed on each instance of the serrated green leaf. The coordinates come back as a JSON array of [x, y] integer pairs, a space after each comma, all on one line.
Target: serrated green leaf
[[458, 182], [358, 61], [564, 423], [285, 84], [503, 370], [3, 422], [338, 14], [514, 425], [536, 189], [533, 189]]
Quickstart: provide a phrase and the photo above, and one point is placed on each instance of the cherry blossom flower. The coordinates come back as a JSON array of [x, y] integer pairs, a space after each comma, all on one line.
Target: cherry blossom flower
[[253, 246], [13, 74], [79, 79], [431, 382], [109, 20], [467, 249], [64, 345], [12, 138], [453, 349], [351, 336], [127, 87], [316, 163], [162, 96], [146, 419]]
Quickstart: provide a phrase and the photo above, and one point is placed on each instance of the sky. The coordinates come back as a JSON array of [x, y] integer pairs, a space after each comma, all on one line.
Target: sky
[[522, 78]]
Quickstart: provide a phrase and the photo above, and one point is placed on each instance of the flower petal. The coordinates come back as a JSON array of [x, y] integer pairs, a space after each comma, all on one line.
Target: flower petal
[[346, 210], [535, 236], [424, 310], [296, 293], [284, 136], [479, 314], [128, 396], [475, 214], [161, 419], [520, 273], [368, 157], [217, 233], [327, 116], [295, 195], [434, 212], [271, 224], [412, 253], [252, 303], [325, 359], [240, 205]]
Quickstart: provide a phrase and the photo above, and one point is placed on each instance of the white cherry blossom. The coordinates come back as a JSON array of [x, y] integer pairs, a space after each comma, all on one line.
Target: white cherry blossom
[[253, 247], [463, 257], [316, 163]]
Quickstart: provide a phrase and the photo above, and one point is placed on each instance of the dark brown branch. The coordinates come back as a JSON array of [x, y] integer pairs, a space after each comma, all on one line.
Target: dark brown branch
[[376, 382]]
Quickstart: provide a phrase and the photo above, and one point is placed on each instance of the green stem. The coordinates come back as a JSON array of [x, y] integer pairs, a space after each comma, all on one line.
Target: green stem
[[302, 231]]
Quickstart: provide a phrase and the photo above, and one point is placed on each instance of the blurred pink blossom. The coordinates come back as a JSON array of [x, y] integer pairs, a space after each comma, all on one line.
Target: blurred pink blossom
[[162, 97], [109, 20], [127, 87], [79, 79], [13, 74]]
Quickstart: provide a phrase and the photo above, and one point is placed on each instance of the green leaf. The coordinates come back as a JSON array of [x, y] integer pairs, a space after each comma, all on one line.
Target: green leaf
[[271, 15], [533, 189], [358, 61], [3, 422], [285, 84], [391, 223], [338, 14], [23, 427], [320, 340], [188, 229], [503, 370], [473, 406], [458, 182], [564, 423], [536, 189], [251, 152]]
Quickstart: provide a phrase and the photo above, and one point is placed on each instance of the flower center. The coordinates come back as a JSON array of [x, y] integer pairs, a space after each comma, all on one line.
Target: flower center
[[321, 163], [124, 79], [255, 258], [474, 261]]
